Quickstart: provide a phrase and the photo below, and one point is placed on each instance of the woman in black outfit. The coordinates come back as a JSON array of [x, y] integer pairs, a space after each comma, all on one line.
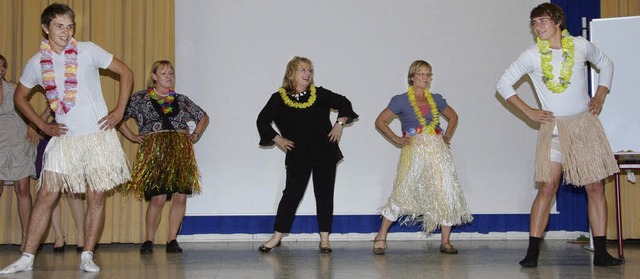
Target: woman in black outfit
[[301, 112]]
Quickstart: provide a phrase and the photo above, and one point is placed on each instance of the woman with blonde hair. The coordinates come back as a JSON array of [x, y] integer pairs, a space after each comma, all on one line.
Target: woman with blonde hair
[[166, 167], [426, 190], [301, 112]]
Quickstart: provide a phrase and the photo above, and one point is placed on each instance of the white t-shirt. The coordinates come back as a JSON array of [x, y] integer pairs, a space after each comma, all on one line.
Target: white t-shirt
[[90, 106], [575, 98]]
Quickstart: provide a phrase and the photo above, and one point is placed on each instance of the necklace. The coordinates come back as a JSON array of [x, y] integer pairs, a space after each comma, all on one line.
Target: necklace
[[290, 103], [165, 104], [161, 95], [298, 95], [434, 111], [49, 76], [566, 71]]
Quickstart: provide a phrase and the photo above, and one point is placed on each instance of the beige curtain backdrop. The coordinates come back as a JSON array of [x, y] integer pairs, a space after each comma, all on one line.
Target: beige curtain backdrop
[[629, 191], [618, 8], [138, 32]]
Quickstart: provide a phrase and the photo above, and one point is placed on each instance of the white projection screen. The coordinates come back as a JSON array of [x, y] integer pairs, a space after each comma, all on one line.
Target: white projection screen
[[231, 56]]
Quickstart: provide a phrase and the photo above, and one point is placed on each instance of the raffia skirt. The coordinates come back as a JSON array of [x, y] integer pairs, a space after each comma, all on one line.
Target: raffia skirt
[[165, 164], [586, 153], [426, 190], [74, 163]]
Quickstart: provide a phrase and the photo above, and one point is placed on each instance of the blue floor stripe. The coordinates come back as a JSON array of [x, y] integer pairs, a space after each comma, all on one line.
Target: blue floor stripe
[[483, 223]]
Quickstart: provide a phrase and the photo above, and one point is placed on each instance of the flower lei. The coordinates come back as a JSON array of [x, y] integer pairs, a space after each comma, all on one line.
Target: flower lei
[[290, 103], [431, 128], [165, 104], [567, 63], [49, 76]]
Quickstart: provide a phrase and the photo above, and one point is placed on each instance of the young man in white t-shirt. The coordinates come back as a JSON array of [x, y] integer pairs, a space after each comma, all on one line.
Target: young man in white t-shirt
[[571, 139], [84, 154]]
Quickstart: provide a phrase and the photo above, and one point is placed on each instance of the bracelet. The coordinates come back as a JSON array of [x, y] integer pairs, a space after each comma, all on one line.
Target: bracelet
[[340, 122]]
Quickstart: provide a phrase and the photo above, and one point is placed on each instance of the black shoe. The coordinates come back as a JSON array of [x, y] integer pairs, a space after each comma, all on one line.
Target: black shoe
[[265, 249], [607, 260], [173, 247], [324, 250], [147, 247]]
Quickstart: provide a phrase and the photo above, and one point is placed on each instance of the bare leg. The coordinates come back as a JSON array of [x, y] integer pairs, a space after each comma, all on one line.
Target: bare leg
[[37, 226], [543, 202], [540, 214], [380, 241], [446, 234], [154, 213], [57, 228], [93, 222], [598, 220], [324, 240], [176, 214], [23, 192], [76, 204], [94, 219], [597, 208], [445, 245], [39, 220]]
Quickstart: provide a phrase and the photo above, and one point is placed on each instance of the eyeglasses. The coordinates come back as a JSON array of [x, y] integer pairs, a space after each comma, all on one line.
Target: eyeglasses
[[303, 70], [429, 75]]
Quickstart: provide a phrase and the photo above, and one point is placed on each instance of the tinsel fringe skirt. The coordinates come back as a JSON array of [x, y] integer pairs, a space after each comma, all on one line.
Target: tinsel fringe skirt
[[166, 163], [426, 190]]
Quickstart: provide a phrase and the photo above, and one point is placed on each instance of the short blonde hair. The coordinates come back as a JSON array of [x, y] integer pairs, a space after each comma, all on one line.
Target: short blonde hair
[[154, 68], [415, 66], [288, 81]]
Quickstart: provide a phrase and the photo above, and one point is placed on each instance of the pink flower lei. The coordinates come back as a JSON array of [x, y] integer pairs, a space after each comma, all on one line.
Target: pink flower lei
[[49, 76]]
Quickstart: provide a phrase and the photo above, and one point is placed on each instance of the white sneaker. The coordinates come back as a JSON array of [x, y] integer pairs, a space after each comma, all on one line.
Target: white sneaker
[[25, 263], [86, 262]]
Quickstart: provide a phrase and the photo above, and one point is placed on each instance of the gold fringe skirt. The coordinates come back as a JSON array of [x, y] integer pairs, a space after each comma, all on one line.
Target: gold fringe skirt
[[426, 190], [165, 164], [75, 163], [586, 153]]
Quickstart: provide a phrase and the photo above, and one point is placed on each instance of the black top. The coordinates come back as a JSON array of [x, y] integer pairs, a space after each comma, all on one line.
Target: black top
[[308, 128], [150, 118]]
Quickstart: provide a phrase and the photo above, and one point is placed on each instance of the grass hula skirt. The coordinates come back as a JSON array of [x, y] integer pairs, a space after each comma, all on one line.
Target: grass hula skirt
[[426, 190], [586, 153], [92, 161], [165, 162]]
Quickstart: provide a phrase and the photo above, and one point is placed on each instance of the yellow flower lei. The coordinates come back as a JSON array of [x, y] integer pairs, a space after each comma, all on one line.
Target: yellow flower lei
[[434, 110], [290, 103], [567, 63]]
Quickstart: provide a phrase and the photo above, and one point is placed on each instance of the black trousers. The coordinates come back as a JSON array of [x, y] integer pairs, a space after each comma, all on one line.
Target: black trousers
[[324, 177]]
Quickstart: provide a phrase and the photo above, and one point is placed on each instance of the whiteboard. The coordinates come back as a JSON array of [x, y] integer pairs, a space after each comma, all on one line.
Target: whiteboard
[[619, 38]]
